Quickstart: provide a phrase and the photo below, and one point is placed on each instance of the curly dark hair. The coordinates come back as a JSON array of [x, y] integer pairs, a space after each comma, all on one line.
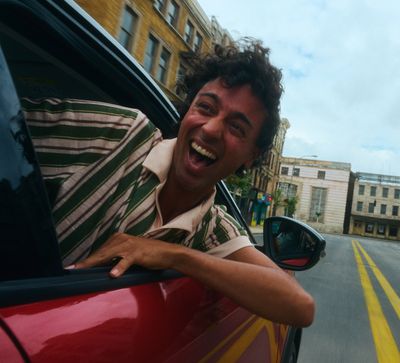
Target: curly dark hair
[[246, 62]]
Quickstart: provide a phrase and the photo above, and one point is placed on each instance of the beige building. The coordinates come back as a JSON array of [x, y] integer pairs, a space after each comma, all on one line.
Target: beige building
[[321, 189], [158, 33], [375, 208]]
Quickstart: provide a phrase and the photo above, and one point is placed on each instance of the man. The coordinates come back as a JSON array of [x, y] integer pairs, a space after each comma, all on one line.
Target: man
[[231, 119]]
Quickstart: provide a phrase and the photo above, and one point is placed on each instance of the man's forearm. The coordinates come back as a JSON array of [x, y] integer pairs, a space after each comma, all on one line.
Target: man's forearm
[[265, 290]]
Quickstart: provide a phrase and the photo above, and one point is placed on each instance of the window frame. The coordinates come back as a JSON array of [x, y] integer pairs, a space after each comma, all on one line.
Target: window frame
[[372, 191], [321, 174], [133, 27], [361, 189], [197, 45], [190, 34], [161, 73], [172, 19]]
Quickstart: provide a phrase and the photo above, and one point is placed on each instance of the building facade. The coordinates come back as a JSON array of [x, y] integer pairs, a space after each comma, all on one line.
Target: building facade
[[158, 33], [317, 191], [376, 204], [265, 177]]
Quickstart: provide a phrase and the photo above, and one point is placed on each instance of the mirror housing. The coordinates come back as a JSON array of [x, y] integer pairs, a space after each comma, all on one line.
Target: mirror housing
[[291, 244]]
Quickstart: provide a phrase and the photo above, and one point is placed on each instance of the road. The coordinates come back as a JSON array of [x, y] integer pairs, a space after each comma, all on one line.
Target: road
[[349, 296]]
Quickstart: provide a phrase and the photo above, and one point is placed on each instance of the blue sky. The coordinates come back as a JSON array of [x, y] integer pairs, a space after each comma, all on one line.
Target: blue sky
[[341, 66]]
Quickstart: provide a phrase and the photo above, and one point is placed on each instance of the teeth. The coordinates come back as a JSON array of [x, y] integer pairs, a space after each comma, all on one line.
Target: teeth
[[203, 151]]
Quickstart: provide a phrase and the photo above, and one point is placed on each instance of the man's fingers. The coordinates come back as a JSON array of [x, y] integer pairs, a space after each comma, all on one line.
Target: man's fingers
[[120, 268]]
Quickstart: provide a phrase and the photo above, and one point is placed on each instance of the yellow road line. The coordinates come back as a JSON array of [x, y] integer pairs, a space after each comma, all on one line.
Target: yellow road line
[[389, 291], [385, 345]]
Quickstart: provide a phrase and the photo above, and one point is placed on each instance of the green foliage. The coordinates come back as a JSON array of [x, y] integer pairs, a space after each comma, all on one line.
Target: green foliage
[[239, 184], [277, 200], [291, 205]]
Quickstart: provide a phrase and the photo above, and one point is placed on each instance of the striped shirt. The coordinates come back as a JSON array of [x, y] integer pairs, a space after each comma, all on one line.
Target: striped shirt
[[106, 165]]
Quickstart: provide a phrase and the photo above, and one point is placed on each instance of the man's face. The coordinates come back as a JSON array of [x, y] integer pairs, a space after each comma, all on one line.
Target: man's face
[[217, 136]]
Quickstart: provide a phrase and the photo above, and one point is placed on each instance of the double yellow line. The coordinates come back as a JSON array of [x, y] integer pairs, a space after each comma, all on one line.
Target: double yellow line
[[385, 344]]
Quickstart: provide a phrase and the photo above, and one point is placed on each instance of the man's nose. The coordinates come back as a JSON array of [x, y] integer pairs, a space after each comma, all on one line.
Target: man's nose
[[213, 127]]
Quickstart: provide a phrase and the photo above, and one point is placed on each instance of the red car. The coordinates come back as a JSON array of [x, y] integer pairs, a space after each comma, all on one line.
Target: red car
[[48, 314]]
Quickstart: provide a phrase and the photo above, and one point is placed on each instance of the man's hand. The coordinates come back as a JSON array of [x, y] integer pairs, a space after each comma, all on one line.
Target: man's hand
[[131, 250]]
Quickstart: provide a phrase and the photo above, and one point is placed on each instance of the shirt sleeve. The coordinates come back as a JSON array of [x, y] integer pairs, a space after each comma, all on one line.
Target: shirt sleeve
[[227, 235]]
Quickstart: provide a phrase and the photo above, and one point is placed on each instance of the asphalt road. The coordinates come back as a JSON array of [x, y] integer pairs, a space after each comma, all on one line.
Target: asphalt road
[[342, 331], [347, 303]]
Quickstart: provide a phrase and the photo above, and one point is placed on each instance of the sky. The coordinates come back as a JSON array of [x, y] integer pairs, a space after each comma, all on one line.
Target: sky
[[340, 61]]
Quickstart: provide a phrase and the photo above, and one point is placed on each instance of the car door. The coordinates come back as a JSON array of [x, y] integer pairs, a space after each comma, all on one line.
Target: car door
[[50, 314]]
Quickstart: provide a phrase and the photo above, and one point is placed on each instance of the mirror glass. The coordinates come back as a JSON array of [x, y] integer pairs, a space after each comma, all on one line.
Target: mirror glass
[[291, 244]]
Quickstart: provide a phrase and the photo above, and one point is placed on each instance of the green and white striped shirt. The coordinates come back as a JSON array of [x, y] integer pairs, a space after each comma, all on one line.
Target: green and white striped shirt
[[106, 165]]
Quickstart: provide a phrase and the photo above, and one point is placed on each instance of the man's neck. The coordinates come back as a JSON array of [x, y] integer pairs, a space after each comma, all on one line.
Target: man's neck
[[174, 201]]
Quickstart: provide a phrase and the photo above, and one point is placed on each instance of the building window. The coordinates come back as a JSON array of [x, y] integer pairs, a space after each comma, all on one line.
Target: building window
[[393, 231], [383, 208], [284, 170], [296, 171], [198, 42], [318, 201], [369, 227], [288, 190], [385, 192], [189, 29], [361, 189], [397, 194], [173, 12], [395, 210], [128, 28], [321, 174], [359, 206], [372, 192], [371, 207], [150, 55], [381, 229], [163, 65], [159, 4]]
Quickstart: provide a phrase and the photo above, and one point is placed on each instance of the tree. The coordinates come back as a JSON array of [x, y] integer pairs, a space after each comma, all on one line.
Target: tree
[[291, 205], [277, 200], [239, 184]]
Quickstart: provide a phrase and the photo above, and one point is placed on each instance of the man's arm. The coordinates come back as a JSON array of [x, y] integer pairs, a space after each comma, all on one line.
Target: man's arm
[[246, 276]]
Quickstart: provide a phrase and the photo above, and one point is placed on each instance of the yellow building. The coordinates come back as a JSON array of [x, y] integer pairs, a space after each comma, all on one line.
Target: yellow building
[[157, 33]]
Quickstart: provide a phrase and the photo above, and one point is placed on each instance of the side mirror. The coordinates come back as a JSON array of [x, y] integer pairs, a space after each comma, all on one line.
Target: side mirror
[[291, 244]]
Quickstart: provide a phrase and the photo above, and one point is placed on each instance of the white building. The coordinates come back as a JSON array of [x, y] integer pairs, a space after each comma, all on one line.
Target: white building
[[322, 192], [376, 203]]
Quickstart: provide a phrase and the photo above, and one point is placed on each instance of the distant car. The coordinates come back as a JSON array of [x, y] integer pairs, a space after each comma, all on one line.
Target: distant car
[[48, 314]]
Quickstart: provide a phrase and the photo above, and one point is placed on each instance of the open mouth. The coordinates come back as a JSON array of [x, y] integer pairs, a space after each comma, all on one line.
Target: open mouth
[[200, 155]]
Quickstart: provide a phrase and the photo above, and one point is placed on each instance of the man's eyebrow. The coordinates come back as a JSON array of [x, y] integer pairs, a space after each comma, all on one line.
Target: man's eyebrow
[[236, 114]]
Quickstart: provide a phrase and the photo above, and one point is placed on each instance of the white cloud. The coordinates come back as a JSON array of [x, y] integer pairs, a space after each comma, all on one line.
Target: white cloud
[[341, 61]]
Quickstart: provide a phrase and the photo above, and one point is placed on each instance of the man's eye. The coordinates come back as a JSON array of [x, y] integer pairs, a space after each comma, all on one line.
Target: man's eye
[[205, 106], [237, 129]]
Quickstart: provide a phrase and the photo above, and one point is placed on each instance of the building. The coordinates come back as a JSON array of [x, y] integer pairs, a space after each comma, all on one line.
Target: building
[[159, 34], [266, 177], [375, 208], [316, 192]]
